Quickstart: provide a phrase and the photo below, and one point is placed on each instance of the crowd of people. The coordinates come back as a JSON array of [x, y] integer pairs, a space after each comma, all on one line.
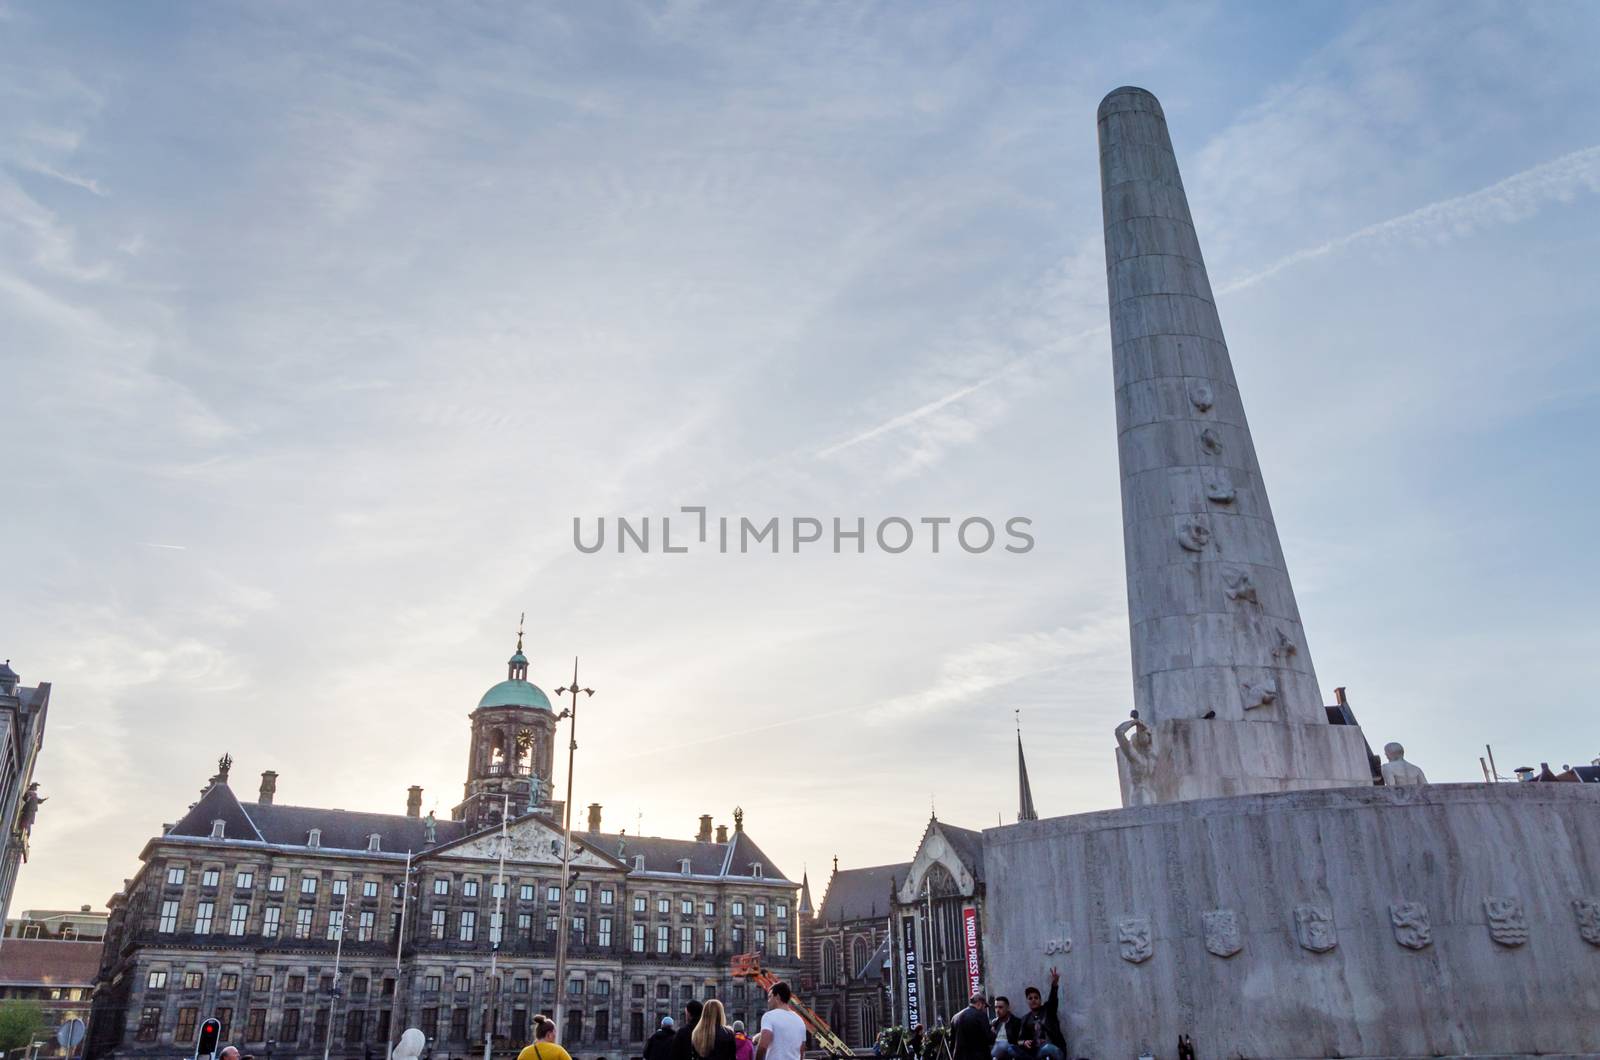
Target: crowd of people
[[703, 1033], [1007, 1036]]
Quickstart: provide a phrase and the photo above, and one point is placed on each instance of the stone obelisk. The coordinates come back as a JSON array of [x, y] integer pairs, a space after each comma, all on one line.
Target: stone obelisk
[[1223, 680]]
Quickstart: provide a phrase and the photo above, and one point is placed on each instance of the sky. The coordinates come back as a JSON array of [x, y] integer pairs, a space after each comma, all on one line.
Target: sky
[[321, 324]]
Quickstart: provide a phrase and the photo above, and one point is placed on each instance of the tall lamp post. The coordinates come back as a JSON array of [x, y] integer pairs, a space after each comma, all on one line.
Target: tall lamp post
[[566, 846]]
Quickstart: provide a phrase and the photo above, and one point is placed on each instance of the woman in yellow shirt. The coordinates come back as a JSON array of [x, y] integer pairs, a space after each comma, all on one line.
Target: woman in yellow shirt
[[544, 1045]]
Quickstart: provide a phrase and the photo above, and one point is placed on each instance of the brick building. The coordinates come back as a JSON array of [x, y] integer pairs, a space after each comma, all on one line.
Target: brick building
[[847, 949], [286, 921]]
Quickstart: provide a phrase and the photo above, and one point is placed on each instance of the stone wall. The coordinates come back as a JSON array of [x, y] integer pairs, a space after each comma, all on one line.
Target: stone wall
[[1361, 922]]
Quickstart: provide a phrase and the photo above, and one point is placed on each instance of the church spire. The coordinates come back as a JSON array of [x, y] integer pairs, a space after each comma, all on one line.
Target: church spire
[[1025, 810], [805, 894]]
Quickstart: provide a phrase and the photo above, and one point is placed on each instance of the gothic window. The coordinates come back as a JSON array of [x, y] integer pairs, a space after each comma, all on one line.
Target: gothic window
[[860, 954], [830, 962]]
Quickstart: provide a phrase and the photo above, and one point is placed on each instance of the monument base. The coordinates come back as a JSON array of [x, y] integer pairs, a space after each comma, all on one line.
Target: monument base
[[1440, 920], [1200, 758]]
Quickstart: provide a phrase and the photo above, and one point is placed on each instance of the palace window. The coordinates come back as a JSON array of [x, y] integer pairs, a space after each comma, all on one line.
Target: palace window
[[737, 934], [237, 916], [469, 889], [355, 1025], [469, 925], [552, 925], [636, 1026], [710, 908], [761, 938], [781, 911], [225, 1017], [709, 940], [243, 880], [341, 888], [607, 896], [580, 928], [602, 934], [458, 1025], [526, 892], [228, 981], [638, 938], [365, 925], [210, 878], [263, 983], [156, 981], [169, 918], [335, 924], [638, 903], [663, 905], [276, 884], [358, 986], [271, 917], [188, 1017], [255, 1026], [574, 1024], [497, 890], [176, 875], [204, 912], [290, 1031], [575, 987], [432, 983], [686, 907], [436, 924], [686, 940], [552, 893], [580, 894], [369, 889], [463, 984], [663, 937], [441, 885], [430, 1022], [302, 923], [194, 980], [738, 907], [149, 1023], [308, 885], [602, 1024], [781, 943], [664, 991], [525, 926], [295, 985], [761, 909]]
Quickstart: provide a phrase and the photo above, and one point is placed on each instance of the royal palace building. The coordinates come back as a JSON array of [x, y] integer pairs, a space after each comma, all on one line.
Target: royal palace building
[[308, 930]]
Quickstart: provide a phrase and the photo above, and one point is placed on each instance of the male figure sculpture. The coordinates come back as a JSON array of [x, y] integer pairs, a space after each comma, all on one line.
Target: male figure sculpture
[[1139, 755], [1397, 772]]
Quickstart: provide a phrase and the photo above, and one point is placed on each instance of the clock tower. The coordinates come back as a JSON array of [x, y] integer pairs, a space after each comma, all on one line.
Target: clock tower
[[509, 761]]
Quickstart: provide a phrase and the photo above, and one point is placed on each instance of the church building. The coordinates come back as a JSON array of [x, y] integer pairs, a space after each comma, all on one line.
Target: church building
[[307, 930]]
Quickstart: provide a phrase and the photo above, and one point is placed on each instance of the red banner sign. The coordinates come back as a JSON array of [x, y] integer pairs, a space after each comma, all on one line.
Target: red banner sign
[[969, 927]]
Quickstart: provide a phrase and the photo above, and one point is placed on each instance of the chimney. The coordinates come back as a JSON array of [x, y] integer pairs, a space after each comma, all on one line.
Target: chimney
[[594, 817], [414, 801], [722, 833], [704, 835], [269, 786]]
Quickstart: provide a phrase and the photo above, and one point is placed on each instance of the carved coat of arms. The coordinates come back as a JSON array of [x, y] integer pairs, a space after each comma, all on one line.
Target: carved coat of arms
[[1133, 938], [1411, 927], [1222, 932], [1588, 911], [1313, 926], [1508, 920]]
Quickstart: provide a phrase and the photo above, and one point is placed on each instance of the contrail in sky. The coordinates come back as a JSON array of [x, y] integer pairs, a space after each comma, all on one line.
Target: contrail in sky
[[1516, 197], [175, 548]]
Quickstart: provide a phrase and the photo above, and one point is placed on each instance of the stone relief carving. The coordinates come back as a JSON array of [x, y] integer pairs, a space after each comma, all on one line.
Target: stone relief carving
[[1211, 441], [1220, 491], [1200, 396], [1133, 937], [1508, 920], [1193, 537], [1284, 648], [1222, 932], [1411, 927], [1237, 585], [1588, 912], [1262, 693], [1313, 926]]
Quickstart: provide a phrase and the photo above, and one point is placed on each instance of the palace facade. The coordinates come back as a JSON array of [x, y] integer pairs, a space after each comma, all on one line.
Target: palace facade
[[307, 930]]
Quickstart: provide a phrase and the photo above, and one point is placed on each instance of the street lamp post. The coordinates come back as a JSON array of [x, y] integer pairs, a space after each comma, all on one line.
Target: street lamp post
[[566, 848], [333, 999]]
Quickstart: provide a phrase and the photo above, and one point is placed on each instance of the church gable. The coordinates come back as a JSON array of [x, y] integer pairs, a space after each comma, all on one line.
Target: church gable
[[532, 840], [942, 859]]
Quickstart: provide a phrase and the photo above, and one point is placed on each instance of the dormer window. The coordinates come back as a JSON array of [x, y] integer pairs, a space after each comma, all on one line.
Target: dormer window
[[219, 829], [374, 841], [683, 866], [314, 839], [757, 870], [638, 863]]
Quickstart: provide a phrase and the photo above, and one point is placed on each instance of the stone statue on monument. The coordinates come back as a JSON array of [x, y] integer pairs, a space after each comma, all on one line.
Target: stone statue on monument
[[430, 826], [1138, 754], [1397, 772]]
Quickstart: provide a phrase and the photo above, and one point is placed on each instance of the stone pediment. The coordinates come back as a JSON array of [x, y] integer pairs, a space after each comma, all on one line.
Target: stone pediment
[[531, 840], [936, 849]]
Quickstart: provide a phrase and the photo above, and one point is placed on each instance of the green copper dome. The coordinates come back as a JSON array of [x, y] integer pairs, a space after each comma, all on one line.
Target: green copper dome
[[515, 693]]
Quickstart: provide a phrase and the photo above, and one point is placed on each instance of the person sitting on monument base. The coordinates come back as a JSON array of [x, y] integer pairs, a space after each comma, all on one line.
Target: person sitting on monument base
[[1041, 1027], [1007, 1029]]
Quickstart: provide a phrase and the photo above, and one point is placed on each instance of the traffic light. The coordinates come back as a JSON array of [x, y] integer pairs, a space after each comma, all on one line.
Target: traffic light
[[210, 1032]]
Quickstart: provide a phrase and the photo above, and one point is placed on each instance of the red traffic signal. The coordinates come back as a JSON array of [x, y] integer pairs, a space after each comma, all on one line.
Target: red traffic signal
[[210, 1032]]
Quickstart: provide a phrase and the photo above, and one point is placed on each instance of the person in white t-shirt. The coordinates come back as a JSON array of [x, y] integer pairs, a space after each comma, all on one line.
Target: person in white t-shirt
[[783, 1032]]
